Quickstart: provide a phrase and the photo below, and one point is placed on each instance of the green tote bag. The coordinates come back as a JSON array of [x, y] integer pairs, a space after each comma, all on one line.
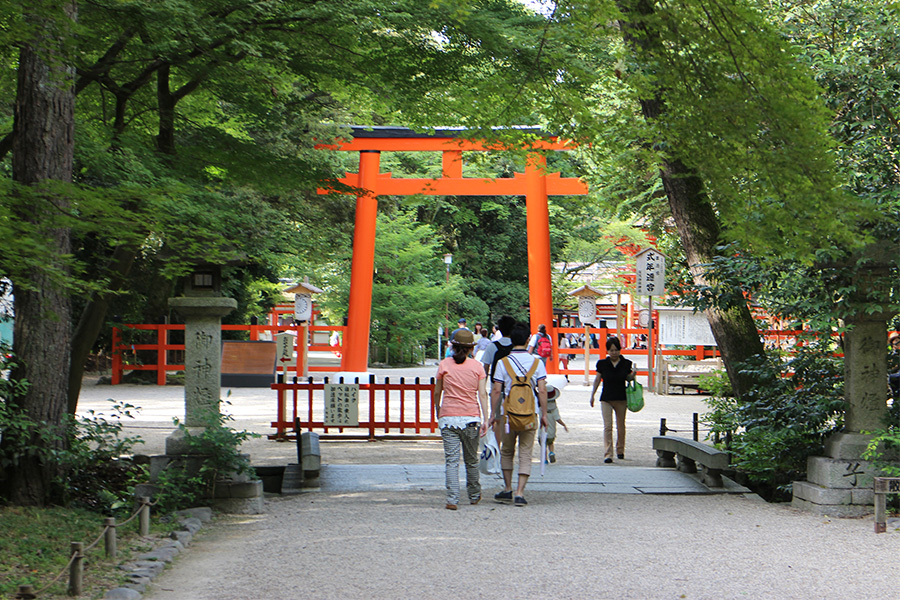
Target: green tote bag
[[634, 394]]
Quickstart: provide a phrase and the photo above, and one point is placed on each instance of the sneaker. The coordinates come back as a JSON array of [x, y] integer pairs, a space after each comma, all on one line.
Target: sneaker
[[520, 501], [450, 506], [608, 460], [475, 501], [553, 457], [621, 456], [503, 497]]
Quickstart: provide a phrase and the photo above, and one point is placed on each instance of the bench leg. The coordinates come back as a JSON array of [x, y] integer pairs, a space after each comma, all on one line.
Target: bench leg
[[686, 465], [665, 458], [711, 477]]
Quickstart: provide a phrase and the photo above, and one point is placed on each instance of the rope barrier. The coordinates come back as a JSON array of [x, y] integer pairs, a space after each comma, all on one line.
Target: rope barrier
[[26, 592], [55, 579]]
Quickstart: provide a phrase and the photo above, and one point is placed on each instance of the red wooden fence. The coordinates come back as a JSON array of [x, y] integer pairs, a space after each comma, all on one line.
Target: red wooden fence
[[160, 348], [386, 410]]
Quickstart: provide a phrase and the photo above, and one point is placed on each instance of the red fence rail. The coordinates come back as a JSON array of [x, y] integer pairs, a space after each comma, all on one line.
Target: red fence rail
[[386, 410], [159, 349]]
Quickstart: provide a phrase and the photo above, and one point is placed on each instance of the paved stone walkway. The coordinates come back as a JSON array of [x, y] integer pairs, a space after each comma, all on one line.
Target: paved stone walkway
[[557, 478]]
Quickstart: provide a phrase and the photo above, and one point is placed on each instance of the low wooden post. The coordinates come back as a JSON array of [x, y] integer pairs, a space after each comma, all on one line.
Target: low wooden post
[[76, 569], [884, 486], [109, 537], [144, 518], [26, 592]]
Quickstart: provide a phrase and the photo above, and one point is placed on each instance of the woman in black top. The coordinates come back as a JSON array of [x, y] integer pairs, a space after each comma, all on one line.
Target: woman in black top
[[614, 371]]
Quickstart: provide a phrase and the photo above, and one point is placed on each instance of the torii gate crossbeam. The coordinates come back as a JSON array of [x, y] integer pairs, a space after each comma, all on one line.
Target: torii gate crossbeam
[[535, 184]]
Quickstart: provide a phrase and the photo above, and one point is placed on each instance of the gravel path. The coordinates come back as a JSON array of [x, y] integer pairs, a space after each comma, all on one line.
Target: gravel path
[[405, 545], [392, 544]]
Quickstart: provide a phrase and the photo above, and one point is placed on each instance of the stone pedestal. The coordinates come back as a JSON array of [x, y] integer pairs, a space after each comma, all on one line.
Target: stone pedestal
[[841, 483]]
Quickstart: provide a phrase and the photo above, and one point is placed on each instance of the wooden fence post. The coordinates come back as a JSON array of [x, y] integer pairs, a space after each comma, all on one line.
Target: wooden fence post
[[144, 518], [110, 537], [76, 569]]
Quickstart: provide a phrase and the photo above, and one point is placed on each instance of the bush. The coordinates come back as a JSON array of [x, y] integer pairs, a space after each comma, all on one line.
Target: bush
[[186, 483], [784, 419], [92, 473]]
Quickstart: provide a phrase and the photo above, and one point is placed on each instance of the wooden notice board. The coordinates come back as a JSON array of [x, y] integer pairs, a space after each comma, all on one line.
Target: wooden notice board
[[248, 364]]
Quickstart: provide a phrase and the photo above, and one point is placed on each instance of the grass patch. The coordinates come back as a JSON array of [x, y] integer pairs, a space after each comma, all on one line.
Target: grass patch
[[34, 548]]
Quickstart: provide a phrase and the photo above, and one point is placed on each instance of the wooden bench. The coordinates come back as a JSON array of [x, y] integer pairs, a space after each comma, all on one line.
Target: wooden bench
[[685, 373], [689, 454]]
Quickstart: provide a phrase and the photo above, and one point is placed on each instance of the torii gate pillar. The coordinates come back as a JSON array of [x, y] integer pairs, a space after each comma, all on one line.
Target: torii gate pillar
[[359, 310], [537, 224]]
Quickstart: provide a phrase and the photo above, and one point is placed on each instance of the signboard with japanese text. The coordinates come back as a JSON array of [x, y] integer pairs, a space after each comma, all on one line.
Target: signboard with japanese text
[[285, 344], [684, 327], [651, 273], [341, 405]]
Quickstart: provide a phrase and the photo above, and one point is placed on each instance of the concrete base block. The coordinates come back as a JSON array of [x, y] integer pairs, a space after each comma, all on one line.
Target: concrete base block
[[310, 455], [833, 510], [249, 489], [686, 465], [840, 473], [665, 459], [810, 492], [176, 443], [240, 506], [849, 446]]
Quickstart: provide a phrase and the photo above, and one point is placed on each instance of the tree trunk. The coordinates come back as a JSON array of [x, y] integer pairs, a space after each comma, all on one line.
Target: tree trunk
[[42, 152], [733, 328], [91, 322], [165, 139]]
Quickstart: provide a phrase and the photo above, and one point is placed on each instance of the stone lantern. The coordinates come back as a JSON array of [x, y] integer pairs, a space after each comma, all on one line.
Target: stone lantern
[[202, 307]]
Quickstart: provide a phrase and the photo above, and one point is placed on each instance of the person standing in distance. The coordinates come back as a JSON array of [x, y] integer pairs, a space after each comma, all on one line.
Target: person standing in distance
[[614, 371]]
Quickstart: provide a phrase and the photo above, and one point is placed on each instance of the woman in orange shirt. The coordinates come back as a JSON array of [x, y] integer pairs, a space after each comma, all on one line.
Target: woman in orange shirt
[[460, 402]]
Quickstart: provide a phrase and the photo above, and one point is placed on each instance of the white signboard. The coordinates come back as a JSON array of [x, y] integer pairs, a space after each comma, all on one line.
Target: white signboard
[[302, 307], [651, 273], [284, 342], [587, 310], [341, 405], [682, 326]]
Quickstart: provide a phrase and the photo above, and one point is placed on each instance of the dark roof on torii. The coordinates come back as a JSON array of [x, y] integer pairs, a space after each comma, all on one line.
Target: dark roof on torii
[[364, 131]]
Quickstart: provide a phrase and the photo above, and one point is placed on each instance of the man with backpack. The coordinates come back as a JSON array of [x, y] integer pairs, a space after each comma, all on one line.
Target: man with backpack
[[499, 348], [519, 406]]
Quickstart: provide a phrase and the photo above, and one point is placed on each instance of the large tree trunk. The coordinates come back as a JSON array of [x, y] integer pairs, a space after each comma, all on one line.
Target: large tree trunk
[[42, 152], [91, 322], [733, 327]]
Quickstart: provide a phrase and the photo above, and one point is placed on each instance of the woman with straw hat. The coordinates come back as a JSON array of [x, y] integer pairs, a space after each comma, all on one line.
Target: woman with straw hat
[[460, 402]]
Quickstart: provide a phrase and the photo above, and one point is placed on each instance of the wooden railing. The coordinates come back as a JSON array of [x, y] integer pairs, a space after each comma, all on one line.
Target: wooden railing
[[386, 410]]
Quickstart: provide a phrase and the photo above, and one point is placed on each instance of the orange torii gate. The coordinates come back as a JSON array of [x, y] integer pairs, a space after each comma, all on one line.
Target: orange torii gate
[[535, 184]]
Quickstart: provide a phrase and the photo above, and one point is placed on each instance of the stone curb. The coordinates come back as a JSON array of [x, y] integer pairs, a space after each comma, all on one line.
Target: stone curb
[[148, 565]]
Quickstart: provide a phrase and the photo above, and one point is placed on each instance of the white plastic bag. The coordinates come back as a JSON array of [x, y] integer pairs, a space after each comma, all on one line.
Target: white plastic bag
[[489, 463]]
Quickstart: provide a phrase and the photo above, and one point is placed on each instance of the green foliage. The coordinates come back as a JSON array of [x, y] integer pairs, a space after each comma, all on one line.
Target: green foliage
[[213, 454], [92, 470], [410, 288], [97, 472], [785, 419]]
